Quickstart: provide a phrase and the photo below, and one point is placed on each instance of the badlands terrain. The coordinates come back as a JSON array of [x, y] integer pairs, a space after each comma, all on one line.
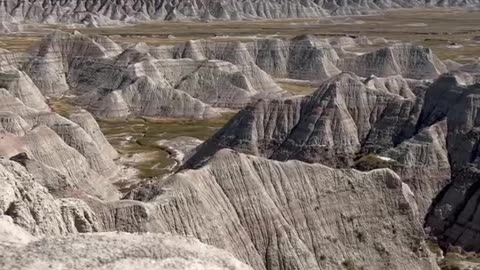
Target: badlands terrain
[[269, 135]]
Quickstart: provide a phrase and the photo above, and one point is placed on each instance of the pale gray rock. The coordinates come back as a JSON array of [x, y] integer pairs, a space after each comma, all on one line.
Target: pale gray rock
[[311, 59], [61, 150], [51, 59], [393, 84], [21, 86], [117, 251], [341, 119], [377, 123], [422, 163], [94, 14], [234, 52], [227, 85], [13, 123], [410, 61], [144, 97], [46, 146], [86, 121], [12, 233], [32, 208], [304, 57], [284, 215], [271, 55]]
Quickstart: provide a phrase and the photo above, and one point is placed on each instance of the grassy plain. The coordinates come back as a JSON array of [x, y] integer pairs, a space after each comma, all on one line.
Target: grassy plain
[[139, 138]]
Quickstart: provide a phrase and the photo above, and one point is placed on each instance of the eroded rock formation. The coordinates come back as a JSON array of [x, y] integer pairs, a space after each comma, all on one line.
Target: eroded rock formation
[[111, 12]]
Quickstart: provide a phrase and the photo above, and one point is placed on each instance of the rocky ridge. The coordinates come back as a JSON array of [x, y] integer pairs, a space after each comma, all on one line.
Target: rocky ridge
[[286, 229], [95, 13], [261, 201], [425, 132], [110, 251]]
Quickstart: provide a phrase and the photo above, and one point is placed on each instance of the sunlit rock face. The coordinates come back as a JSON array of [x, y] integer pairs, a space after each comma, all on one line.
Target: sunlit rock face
[[94, 14], [410, 61], [342, 118], [279, 215]]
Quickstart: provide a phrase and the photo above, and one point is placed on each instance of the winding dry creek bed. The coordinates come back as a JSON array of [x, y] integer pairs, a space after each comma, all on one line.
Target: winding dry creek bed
[[141, 141], [149, 147]]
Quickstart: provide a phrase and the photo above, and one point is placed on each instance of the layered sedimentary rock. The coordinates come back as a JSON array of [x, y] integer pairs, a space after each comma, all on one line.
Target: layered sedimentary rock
[[373, 123], [117, 251], [236, 53], [57, 149], [284, 215], [140, 80], [421, 162], [21, 86], [33, 208], [453, 216], [311, 59], [425, 132], [109, 12], [304, 57], [342, 118], [410, 61]]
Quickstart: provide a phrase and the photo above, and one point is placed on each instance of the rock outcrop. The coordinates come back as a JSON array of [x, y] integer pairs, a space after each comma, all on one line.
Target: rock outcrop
[[304, 57], [32, 207], [410, 61], [59, 151], [284, 215], [93, 14], [349, 122], [117, 251], [184, 81], [341, 119]]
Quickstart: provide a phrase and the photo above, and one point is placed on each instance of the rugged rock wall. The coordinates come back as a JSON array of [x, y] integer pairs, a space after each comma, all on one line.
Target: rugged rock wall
[[347, 122], [141, 81], [93, 13], [114, 251], [408, 60], [61, 153], [342, 118], [284, 215], [425, 132], [32, 207], [453, 217]]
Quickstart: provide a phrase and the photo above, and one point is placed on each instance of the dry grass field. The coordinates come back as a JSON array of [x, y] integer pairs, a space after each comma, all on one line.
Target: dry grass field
[[448, 32]]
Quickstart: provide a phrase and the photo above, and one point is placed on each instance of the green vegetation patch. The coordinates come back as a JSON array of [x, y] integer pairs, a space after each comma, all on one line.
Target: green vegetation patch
[[137, 139]]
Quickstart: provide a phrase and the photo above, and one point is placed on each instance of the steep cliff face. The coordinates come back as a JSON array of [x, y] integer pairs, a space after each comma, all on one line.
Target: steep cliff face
[[32, 207], [425, 132], [379, 122], [342, 118], [284, 215], [58, 151], [422, 162], [108, 12], [142, 81], [304, 57], [269, 214], [408, 60], [453, 216]]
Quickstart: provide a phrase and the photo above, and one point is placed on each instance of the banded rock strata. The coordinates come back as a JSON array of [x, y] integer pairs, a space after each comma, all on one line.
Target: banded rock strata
[[268, 214], [144, 81], [93, 13], [378, 122], [283, 215], [425, 132], [110, 251]]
